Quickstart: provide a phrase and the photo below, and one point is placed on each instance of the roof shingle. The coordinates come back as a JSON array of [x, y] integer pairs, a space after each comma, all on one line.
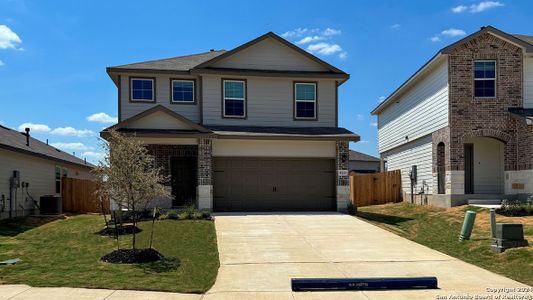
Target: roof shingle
[[178, 63], [16, 141]]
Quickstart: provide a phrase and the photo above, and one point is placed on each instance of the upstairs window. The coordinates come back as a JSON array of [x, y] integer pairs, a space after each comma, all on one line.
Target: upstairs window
[[234, 98], [305, 101], [182, 91], [485, 78], [142, 90]]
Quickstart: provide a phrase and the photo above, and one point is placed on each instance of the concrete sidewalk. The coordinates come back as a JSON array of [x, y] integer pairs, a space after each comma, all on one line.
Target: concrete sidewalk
[[23, 292]]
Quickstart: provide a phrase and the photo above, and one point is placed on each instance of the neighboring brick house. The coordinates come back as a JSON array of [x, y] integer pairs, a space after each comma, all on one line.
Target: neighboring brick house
[[251, 129], [465, 120]]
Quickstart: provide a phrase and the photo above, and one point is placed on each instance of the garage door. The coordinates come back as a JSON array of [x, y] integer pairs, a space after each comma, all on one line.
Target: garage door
[[253, 184]]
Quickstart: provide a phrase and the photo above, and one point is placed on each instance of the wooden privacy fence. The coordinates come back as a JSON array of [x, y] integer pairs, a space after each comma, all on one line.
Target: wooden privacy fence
[[377, 188], [78, 196]]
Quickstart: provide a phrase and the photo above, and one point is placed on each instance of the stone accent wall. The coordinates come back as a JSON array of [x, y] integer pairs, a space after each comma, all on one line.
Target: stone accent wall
[[342, 162], [487, 117], [342, 180], [163, 153], [205, 162], [204, 190]]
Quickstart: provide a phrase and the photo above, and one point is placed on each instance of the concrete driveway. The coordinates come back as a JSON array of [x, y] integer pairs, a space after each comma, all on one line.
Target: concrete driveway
[[260, 253]]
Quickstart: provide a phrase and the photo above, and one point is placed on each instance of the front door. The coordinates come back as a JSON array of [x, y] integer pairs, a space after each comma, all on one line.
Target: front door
[[469, 168], [183, 180]]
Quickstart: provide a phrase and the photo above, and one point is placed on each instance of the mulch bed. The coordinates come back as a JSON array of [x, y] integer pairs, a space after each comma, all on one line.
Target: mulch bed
[[122, 230], [513, 213], [127, 256]]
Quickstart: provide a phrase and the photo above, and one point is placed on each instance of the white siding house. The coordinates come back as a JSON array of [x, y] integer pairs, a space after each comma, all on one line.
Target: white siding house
[[405, 126]]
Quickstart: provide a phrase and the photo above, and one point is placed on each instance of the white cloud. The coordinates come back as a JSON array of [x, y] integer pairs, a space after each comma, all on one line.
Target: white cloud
[[102, 118], [94, 156], [8, 38], [459, 9], [382, 98], [324, 48], [70, 131], [477, 8], [303, 36], [309, 39], [42, 128], [363, 141], [2, 63], [453, 32], [482, 6], [331, 32], [71, 146], [395, 26], [360, 117], [299, 32], [374, 124]]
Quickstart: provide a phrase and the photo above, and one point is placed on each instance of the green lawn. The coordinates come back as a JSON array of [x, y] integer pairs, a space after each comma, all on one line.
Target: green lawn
[[439, 229], [67, 253]]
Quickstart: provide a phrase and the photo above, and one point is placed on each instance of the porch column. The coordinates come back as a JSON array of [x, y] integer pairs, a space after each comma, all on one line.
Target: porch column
[[205, 174], [342, 178]]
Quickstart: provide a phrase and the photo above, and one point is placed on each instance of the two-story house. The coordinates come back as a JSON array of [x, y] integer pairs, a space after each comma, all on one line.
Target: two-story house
[[251, 129], [464, 119]]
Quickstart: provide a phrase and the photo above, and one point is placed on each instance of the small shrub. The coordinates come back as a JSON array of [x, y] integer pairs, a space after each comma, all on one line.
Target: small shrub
[[184, 216], [206, 215], [515, 207], [188, 212], [172, 214], [352, 209]]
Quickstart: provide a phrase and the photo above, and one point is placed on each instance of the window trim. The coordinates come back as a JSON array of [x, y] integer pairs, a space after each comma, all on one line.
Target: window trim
[[172, 101], [57, 181], [153, 100], [295, 111], [245, 108], [484, 79]]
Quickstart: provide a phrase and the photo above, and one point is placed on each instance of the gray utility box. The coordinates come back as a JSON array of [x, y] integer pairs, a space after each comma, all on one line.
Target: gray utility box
[[508, 236]]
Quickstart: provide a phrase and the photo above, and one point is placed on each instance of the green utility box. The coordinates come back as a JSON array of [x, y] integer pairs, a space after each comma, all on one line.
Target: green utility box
[[508, 236], [468, 225]]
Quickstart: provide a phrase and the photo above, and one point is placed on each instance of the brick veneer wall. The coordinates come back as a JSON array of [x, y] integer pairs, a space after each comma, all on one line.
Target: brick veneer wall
[[472, 117], [163, 153]]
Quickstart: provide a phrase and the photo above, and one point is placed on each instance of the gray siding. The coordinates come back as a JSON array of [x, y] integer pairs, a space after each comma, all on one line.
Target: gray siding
[[364, 165], [420, 111], [270, 54], [129, 109], [417, 153], [269, 103]]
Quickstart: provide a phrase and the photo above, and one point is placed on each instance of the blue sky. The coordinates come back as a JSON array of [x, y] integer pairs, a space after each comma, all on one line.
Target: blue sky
[[53, 54]]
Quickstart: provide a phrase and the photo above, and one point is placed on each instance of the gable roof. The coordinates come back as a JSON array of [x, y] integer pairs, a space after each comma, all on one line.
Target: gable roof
[[14, 140], [355, 155], [178, 63], [160, 108], [276, 37], [201, 62], [522, 41]]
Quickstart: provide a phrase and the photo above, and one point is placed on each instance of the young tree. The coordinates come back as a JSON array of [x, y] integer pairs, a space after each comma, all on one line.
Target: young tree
[[101, 194], [131, 178]]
